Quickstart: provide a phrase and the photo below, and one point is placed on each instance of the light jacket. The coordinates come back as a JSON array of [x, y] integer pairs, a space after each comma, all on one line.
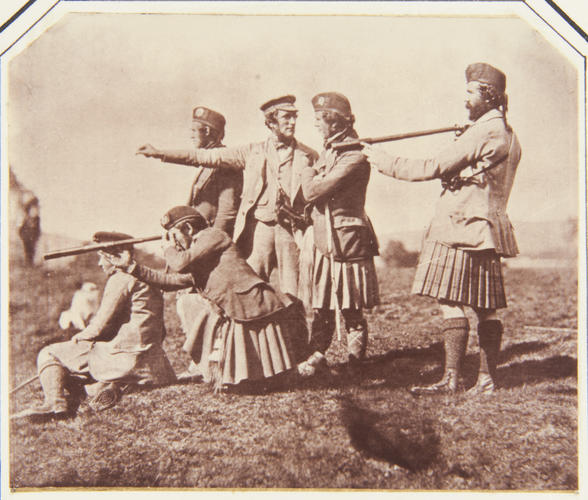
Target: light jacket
[[253, 159], [473, 216]]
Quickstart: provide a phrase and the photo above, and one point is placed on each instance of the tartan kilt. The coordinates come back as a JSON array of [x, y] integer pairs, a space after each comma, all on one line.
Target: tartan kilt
[[468, 277], [356, 283], [228, 351]]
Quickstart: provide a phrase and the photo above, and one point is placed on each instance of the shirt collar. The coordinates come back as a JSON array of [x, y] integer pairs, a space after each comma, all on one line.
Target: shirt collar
[[280, 145]]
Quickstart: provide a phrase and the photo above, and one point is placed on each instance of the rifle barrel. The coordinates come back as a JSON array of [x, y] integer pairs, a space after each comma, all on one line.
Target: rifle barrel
[[395, 137], [97, 246]]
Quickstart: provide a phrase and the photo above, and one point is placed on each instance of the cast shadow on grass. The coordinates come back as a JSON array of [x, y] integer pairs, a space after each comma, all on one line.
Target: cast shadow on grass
[[410, 442], [403, 368], [535, 371], [512, 351]]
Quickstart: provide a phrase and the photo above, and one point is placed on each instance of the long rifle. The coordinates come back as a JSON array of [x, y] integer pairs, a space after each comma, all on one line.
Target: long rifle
[[396, 137], [97, 246]]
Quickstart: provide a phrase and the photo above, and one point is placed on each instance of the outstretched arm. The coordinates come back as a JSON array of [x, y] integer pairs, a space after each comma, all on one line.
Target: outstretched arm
[[476, 146], [214, 157]]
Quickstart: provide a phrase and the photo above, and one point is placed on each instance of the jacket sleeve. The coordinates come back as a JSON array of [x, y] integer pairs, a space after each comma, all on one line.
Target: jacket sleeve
[[228, 200], [206, 244], [116, 294], [164, 281], [316, 184], [215, 157], [476, 147]]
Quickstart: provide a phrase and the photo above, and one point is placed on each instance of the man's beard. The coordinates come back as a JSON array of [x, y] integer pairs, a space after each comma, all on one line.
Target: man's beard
[[477, 111]]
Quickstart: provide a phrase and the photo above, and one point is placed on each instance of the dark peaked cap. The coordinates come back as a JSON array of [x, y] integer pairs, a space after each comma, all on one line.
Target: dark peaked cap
[[111, 236], [285, 103], [484, 73], [209, 117], [183, 213]]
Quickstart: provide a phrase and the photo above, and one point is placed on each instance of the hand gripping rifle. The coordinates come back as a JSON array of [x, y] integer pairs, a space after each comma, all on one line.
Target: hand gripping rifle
[[97, 246], [356, 144]]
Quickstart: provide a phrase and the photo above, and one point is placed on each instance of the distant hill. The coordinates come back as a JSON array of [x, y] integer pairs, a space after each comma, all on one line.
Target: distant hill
[[548, 239]]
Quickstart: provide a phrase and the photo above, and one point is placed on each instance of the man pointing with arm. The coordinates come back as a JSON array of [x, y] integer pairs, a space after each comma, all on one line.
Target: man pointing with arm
[[271, 176]]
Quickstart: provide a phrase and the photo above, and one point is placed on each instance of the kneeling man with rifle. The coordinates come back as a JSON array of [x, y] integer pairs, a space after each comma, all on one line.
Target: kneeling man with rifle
[[121, 345]]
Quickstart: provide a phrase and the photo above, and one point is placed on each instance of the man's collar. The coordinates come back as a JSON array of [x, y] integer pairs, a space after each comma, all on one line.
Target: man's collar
[[340, 137], [282, 145], [215, 144]]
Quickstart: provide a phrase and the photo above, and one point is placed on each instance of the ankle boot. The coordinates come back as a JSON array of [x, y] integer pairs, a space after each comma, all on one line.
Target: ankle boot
[[455, 332]]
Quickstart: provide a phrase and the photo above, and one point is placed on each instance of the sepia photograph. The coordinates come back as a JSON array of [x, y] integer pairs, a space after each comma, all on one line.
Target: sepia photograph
[[292, 248]]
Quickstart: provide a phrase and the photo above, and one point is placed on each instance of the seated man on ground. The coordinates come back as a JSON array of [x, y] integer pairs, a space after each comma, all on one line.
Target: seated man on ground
[[121, 345]]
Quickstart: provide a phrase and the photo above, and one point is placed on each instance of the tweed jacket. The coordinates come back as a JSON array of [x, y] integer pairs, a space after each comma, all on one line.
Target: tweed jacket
[[217, 194], [473, 216], [340, 179], [130, 316], [254, 159], [213, 267]]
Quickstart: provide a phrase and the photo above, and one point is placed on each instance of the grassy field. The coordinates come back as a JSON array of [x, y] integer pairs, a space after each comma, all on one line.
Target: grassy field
[[338, 431]]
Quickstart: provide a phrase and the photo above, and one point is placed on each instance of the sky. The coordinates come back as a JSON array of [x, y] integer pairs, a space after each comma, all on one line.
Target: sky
[[84, 95]]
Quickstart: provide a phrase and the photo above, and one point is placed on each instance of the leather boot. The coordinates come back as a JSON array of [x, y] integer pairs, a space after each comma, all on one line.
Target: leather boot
[[52, 379], [455, 332], [107, 395]]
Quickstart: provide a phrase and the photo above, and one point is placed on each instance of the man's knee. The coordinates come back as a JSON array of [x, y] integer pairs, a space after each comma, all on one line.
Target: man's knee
[[46, 358]]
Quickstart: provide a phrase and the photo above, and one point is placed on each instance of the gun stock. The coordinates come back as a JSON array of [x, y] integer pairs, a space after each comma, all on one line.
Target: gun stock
[[356, 144], [97, 246]]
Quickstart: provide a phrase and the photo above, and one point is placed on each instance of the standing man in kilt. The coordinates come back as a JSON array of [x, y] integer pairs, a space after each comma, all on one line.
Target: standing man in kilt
[[342, 274], [215, 193], [460, 261]]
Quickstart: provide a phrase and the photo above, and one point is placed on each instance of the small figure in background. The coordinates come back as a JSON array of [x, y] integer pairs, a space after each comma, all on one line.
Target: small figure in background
[[30, 228]]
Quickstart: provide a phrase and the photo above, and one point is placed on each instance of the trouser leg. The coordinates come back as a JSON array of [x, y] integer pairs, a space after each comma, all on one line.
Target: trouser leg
[[357, 333], [287, 259], [257, 246]]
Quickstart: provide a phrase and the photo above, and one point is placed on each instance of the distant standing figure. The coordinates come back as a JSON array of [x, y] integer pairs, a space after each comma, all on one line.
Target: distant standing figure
[[264, 232], [215, 193], [30, 228], [121, 345], [459, 263]]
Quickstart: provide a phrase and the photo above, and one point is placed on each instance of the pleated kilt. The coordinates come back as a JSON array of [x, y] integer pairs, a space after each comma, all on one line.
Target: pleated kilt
[[356, 283], [228, 351], [468, 277]]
